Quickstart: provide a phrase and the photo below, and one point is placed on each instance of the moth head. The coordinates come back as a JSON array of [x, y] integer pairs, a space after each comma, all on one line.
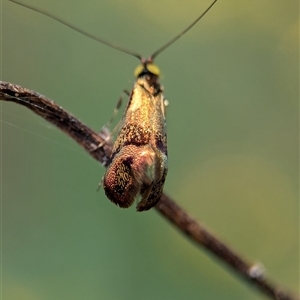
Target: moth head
[[145, 69]]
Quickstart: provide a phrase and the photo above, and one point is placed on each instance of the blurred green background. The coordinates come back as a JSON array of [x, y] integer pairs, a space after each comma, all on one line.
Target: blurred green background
[[232, 83]]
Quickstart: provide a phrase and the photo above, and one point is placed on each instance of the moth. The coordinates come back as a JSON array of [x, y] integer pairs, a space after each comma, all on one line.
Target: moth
[[139, 161]]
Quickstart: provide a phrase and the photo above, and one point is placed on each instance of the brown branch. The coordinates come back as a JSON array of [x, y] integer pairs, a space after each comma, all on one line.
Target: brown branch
[[99, 146]]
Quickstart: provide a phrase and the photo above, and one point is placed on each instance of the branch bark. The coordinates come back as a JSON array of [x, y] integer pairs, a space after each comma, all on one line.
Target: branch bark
[[99, 146]]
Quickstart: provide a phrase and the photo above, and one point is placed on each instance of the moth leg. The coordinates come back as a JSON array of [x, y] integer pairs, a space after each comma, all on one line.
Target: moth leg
[[166, 104], [100, 184], [115, 112], [106, 135], [117, 108], [104, 132]]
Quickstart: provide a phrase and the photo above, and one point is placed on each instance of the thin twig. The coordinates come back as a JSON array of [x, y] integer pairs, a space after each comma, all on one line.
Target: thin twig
[[99, 146]]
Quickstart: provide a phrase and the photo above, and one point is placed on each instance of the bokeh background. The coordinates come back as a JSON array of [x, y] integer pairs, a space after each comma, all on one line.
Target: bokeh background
[[233, 85]]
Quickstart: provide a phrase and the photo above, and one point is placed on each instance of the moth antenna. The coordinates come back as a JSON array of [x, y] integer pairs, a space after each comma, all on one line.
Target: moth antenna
[[102, 41], [112, 45], [174, 39]]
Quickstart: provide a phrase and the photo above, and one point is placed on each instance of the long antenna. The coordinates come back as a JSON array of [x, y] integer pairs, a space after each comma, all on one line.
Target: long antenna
[[173, 40], [112, 45], [102, 41]]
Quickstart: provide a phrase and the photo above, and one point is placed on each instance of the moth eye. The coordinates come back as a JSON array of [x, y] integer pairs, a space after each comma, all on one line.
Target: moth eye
[[138, 70], [153, 69]]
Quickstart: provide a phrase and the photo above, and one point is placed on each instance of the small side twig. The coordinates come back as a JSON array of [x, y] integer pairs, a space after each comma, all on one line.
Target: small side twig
[[97, 146]]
